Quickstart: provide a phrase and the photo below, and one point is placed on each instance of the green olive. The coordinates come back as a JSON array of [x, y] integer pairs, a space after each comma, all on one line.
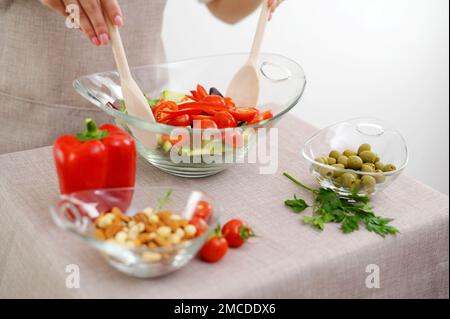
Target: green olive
[[379, 165], [338, 181], [326, 172], [380, 178], [367, 168], [354, 162], [335, 154], [343, 160], [349, 153], [348, 180], [377, 159], [322, 160], [357, 185], [331, 161], [389, 168], [368, 156], [368, 182], [364, 147], [338, 166]]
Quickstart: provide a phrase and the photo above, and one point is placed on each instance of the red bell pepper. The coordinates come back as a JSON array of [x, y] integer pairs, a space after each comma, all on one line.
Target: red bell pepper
[[99, 158]]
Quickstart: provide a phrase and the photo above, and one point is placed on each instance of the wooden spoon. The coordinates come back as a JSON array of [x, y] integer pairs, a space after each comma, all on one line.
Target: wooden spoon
[[135, 101], [245, 86]]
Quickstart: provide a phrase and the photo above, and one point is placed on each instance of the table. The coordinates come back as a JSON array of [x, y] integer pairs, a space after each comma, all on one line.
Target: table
[[288, 260]]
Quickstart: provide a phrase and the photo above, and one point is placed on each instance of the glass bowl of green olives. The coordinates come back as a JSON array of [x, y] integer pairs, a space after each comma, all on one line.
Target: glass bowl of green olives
[[363, 155]]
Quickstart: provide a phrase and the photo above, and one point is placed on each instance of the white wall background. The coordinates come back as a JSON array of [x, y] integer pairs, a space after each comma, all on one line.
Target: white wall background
[[383, 58]]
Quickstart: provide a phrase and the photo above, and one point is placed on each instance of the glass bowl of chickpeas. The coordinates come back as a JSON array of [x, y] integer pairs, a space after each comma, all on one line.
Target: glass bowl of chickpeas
[[363, 156], [142, 232]]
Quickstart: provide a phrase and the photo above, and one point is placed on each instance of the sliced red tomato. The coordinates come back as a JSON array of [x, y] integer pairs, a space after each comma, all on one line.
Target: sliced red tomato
[[160, 116], [181, 120], [264, 116], [224, 119], [203, 210], [244, 113]]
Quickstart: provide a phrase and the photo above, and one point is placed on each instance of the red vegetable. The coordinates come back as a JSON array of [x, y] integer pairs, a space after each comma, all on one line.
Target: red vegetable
[[264, 116], [162, 107], [200, 224], [181, 120], [215, 248], [244, 113], [201, 92], [203, 210], [236, 233], [224, 119], [102, 157]]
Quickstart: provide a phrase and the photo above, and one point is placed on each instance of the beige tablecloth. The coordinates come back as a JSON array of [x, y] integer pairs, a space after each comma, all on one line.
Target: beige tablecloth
[[289, 259]]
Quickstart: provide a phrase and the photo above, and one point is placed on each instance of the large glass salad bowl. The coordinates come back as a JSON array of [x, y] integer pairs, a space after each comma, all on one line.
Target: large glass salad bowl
[[282, 85]]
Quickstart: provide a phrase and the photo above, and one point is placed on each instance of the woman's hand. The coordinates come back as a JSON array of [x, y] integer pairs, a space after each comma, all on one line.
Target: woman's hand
[[273, 5], [92, 16]]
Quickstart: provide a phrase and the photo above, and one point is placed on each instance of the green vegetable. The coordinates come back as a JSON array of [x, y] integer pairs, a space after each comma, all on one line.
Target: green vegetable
[[166, 146], [349, 211], [172, 96], [297, 205], [164, 201]]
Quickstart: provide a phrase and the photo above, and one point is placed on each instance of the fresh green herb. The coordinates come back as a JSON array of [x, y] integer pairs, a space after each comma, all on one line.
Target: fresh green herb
[[164, 201], [349, 211], [151, 102], [297, 205]]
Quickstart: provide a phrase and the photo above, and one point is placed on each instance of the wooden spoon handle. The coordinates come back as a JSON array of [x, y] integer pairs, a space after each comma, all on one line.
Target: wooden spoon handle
[[119, 52], [257, 42]]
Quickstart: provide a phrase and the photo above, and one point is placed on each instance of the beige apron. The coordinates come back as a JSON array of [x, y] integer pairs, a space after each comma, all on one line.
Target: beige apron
[[40, 57]]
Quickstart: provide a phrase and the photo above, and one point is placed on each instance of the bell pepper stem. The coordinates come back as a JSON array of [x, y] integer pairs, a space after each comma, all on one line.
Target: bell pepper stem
[[91, 132]]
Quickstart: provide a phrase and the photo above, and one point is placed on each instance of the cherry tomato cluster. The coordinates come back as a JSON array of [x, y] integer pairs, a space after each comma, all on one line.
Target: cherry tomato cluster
[[210, 111], [233, 234]]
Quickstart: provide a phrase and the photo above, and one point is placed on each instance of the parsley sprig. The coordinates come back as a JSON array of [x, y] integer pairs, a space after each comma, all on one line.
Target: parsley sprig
[[350, 211]]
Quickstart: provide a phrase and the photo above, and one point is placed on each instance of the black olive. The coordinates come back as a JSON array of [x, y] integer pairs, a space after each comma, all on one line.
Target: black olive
[[214, 91]]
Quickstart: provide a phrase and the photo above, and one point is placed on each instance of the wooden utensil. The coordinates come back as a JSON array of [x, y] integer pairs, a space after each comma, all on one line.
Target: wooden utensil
[[135, 101], [245, 86]]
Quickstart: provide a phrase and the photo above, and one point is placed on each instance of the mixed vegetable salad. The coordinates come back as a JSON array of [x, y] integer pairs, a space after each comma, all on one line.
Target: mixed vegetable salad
[[211, 110]]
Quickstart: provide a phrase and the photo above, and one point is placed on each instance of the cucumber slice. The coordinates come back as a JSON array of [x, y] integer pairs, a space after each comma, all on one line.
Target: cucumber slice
[[166, 146], [172, 96]]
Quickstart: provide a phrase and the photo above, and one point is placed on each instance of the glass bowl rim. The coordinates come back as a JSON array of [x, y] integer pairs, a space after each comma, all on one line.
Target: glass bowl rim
[[217, 213], [345, 170], [142, 124]]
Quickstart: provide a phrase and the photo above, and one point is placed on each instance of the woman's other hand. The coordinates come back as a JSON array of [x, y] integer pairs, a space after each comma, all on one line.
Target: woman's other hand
[[93, 14]]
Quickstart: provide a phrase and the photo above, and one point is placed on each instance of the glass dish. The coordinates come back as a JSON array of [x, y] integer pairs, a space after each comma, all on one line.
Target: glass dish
[[75, 213], [387, 142], [282, 85]]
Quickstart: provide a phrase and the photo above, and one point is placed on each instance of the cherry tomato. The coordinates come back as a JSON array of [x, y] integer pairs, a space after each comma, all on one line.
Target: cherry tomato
[[164, 106], [244, 113], [215, 248], [237, 232], [181, 120], [203, 210], [261, 117], [224, 119], [200, 224]]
